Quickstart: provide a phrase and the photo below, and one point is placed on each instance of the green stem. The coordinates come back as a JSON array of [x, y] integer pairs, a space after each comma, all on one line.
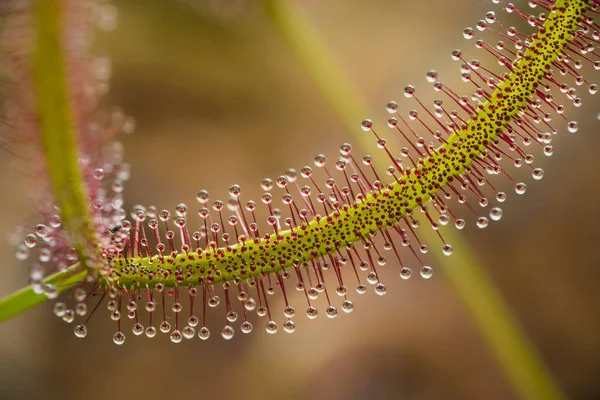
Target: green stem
[[21, 301], [56, 126], [488, 310], [59, 140]]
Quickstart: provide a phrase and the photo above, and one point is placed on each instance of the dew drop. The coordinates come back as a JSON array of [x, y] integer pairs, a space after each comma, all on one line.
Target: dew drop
[[227, 332], [119, 338], [431, 75], [312, 312], [68, 316], [331, 312], [366, 125], [204, 333], [246, 327], [231, 316], [98, 174], [59, 309], [405, 273], [150, 332], [380, 289], [496, 214], [391, 107], [361, 289], [460, 223], [115, 315], [30, 240], [137, 329], [289, 312], [80, 331], [176, 336], [271, 327], [501, 197], [165, 327], [81, 309], [572, 126], [520, 188], [426, 272], [50, 291], [261, 311], [250, 304], [289, 326], [214, 301], [447, 250], [22, 253], [482, 222], [188, 332], [538, 174]]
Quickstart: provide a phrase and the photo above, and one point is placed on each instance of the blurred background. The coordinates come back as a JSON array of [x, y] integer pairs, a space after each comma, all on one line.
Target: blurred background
[[219, 99]]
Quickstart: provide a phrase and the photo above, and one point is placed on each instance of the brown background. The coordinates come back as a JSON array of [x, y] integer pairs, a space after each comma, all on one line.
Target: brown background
[[219, 100]]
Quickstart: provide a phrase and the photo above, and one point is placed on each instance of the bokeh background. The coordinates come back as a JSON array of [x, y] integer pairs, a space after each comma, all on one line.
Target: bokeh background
[[219, 99]]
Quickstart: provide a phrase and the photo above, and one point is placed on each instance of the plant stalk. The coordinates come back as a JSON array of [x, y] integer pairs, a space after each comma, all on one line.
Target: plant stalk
[[511, 348]]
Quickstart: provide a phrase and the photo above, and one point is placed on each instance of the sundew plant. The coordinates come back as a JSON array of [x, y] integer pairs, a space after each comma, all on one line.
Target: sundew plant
[[332, 225]]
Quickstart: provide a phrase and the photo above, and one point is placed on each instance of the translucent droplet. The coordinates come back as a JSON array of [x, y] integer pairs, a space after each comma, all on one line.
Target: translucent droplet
[[380, 289], [331, 312], [30, 241], [68, 316], [246, 327], [119, 338], [193, 321], [431, 76], [391, 107], [537, 174], [176, 336], [59, 309], [496, 214], [366, 125], [271, 327], [289, 326], [214, 301], [460, 223], [204, 333], [50, 291], [482, 222], [341, 290], [372, 278], [501, 197], [261, 311], [150, 332], [231, 316], [81, 309], [250, 304], [572, 126], [312, 312], [520, 188], [426, 272], [227, 332], [80, 331], [188, 332], [347, 306], [361, 289], [165, 327], [98, 174], [289, 312], [115, 315], [405, 273], [447, 250]]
